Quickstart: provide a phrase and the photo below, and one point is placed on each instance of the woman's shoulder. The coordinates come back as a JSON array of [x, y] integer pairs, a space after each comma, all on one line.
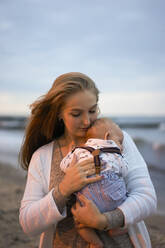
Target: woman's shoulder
[[125, 134], [44, 150], [128, 143], [131, 152], [127, 139], [42, 155]]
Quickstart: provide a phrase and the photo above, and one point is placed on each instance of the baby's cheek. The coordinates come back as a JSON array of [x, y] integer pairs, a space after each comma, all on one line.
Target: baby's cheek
[[121, 147]]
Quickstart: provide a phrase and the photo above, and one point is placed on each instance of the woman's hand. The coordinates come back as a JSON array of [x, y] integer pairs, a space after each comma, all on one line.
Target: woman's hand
[[76, 176], [87, 214]]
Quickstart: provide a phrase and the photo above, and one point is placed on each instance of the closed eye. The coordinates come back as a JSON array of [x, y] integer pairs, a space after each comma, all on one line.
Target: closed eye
[[75, 115], [92, 111]]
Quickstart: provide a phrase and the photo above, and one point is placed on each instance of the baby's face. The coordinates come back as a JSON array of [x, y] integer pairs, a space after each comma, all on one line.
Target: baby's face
[[97, 132], [106, 131]]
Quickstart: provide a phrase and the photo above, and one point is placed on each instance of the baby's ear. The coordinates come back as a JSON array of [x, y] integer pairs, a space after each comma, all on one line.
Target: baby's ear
[[107, 135]]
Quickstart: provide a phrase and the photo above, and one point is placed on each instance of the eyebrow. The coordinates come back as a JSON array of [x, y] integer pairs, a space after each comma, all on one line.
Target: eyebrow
[[77, 109]]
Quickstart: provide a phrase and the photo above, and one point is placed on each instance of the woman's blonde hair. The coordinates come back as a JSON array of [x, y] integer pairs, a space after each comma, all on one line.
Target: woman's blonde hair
[[44, 124]]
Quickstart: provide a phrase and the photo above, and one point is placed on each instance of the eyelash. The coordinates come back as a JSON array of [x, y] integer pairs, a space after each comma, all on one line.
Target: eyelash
[[91, 112], [75, 115]]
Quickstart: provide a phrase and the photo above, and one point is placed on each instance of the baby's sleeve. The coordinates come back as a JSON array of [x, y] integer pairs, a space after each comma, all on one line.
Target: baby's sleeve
[[66, 161]]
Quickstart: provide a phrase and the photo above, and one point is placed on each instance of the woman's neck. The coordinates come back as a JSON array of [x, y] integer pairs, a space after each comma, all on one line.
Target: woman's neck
[[69, 139], [67, 143]]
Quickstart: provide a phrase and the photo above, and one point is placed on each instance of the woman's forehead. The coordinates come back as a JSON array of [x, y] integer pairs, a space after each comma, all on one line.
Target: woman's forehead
[[81, 100]]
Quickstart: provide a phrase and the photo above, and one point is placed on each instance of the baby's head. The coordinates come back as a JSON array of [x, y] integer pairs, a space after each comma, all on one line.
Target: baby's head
[[104, 128]]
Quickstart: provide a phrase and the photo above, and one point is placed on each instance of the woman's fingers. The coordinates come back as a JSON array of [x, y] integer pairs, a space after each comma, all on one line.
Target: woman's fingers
[[74, 160], [79, 225], [82, 199], [91, 172], [87, 166], [86, 163], [83, 166], [86, 213], [77, 174], [94, 179]]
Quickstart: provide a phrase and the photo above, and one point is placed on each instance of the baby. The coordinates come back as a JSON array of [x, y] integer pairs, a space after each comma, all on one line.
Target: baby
[[110, 192]]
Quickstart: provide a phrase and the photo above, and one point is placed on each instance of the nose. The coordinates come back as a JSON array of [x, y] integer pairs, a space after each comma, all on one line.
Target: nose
[[86, 120]]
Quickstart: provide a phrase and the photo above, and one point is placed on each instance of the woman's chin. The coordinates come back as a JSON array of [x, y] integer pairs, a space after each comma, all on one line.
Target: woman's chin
[[81, 134]]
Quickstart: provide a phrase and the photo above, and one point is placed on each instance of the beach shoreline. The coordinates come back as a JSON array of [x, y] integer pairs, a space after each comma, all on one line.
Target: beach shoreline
[[12, 183]]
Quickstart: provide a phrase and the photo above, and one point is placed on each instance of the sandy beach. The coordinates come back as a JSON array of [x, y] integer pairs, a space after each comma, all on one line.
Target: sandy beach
[[12, 183]]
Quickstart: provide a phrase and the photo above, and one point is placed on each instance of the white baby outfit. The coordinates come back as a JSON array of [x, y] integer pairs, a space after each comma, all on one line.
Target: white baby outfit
[[110, 192]]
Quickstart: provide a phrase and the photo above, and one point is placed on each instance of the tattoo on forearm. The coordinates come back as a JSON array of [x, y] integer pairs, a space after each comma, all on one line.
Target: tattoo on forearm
[[115, 218]]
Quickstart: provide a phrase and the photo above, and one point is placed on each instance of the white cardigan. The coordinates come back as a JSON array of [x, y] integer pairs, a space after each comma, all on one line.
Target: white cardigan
[[39, 213]]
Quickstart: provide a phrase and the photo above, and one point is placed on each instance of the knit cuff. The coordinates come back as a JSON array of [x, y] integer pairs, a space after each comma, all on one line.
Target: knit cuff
[[115, 219]]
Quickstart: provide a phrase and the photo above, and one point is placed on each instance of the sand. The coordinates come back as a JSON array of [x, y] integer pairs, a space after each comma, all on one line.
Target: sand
[[12, 183]]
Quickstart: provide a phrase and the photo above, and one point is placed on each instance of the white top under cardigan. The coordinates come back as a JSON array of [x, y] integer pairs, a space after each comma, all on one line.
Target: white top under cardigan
[[39, 213]]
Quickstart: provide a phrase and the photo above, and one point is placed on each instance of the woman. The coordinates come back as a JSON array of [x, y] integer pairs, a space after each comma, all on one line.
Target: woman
[[59, 122]]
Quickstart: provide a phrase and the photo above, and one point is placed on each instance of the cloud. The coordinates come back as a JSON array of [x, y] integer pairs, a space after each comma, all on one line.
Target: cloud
[[16, 104], [5, 26], [112, 104], [132, 103], [120, 44]]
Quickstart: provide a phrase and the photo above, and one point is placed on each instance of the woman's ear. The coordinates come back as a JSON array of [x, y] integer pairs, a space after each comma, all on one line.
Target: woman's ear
[[107, 135]]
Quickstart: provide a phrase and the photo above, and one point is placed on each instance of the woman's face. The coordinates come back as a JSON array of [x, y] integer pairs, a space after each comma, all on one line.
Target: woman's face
[[79, 111]]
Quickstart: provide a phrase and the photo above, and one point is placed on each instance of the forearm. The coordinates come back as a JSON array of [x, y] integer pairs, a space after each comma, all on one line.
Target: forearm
[[38, 209], [115, 219], [36, 215], [111, 220], [59, 199], [141, 200]]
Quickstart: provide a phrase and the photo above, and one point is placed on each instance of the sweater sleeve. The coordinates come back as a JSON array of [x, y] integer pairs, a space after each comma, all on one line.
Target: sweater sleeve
[[141, 200], [38, 209]]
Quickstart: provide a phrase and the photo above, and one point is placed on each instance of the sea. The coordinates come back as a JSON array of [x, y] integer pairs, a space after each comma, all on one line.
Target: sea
[[148, 134]]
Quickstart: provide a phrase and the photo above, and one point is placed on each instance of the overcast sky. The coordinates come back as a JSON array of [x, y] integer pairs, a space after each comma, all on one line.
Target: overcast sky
[[120, 44]]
